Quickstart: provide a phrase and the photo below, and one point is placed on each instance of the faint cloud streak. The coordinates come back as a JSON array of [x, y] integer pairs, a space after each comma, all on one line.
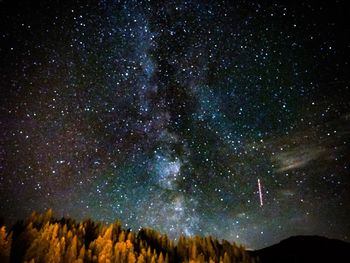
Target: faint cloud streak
[[298, 158]]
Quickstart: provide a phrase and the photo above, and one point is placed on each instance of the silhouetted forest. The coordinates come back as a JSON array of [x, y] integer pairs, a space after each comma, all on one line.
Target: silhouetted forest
[[42, 238]]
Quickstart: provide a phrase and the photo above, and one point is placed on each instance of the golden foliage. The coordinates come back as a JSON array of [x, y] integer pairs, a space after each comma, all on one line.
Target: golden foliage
[[5, 245], [41, 238]]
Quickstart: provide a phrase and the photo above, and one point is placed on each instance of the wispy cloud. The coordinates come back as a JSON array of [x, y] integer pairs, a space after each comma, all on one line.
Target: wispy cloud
[[298, 157]]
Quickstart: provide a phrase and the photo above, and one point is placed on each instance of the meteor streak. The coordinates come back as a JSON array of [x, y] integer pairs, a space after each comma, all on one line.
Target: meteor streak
[[260, 193]]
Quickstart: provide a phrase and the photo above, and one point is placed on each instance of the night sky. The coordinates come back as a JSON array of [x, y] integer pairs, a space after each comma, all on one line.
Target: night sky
[[166, 114]]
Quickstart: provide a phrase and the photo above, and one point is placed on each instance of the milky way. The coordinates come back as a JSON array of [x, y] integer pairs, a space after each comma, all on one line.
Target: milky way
[[166, 114]]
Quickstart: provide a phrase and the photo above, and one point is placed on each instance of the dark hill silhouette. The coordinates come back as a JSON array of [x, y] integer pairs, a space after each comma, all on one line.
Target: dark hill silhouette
[[300, 249]]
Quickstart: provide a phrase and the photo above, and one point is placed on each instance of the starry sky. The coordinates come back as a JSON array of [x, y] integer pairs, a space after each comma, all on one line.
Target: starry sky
[[166, 114]]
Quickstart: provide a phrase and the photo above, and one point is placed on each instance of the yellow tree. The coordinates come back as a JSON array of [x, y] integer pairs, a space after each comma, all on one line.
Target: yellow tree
[[226, 258], [141, 259], [131, 257], [161, 258], [102, 247], [5, 245], [40, 244], [121, 237], [72, 250], [82, 253], [193, 250]]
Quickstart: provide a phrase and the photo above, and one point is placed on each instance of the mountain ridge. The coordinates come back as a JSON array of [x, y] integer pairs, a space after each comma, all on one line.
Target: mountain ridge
[[305, 248]]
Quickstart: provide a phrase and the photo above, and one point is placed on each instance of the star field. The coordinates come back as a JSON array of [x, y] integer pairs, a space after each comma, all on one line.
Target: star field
[[165, 114]]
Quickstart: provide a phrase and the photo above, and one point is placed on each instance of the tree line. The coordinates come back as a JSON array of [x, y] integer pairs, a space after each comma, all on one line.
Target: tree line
[[42, 238]]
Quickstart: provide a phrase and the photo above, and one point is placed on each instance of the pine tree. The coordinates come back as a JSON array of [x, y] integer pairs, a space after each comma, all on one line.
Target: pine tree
[[5, 245], [141, 259], [193, 250], [226, 258], [82, 253], [131, 257], [72, 250], [161, 258]]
